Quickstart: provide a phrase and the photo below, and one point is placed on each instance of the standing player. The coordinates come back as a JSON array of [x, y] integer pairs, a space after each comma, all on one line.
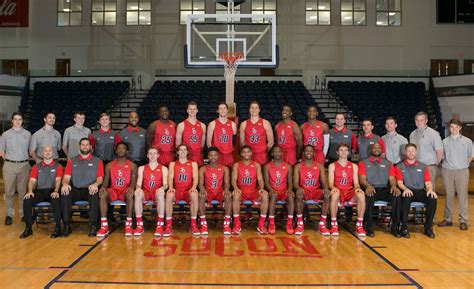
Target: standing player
[[121, 174], [14, 150], [135, 138], [340, 134], [152, 184], [394, 142], [191, 132], [367, 139], [413, 179], [73, 134], [316, 134], [220, 134], [161, 135], [344, 184], [289, 137], [248, 184], [183, 178], [45, 136], [308, 177], [214, 184], [278, 176], [102, 140], [257, 133]]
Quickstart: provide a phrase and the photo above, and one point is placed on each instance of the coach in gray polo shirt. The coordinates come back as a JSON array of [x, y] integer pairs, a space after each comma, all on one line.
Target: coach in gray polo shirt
[[394, 142], [73, 134], [458, 154], [45, 136], [429, 144], [14, 149]]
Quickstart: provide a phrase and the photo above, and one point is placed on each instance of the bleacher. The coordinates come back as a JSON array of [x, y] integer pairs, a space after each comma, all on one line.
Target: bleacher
[[271, 95], [377, 100], [64, 98]]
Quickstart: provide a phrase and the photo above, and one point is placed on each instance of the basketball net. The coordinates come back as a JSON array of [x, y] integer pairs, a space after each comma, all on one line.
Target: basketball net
[[231, 61]]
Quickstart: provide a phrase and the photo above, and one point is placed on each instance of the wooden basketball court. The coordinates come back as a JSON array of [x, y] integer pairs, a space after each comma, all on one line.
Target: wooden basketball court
[[250, 260]]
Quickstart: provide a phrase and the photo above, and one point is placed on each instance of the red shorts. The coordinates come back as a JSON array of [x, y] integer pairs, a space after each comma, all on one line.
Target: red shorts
[[226, 160], [260, 157], [196, 156], [116, 195], [165, 158], [282, 195], [289, 157], [313, 195], [249, 194], [218, 196], [181, 195], [149, 196], [319, 157], [346, 195]]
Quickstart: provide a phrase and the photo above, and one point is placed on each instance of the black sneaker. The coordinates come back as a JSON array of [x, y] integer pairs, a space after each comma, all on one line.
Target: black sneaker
[[8, 221], [369, 232], [405, 234], [93, 231], [395, 232], [429, 232], [67, 231], [26, 233], [57, 232]]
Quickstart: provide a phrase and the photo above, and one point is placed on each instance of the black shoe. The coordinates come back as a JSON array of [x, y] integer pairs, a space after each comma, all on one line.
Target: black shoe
[[405, 234], [429, 232], [395, 232], [26, 233], [23, 219], [369, 232], [57, 232], [8, 221], [463, 226], [93, 231], [67, 231]]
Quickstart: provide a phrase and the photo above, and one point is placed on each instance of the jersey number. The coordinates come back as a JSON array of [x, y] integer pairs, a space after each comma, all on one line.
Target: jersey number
[[120, 182], [166, 139], [254, 138], [182, 178], [247, 181], [224, 139], [312, 141]]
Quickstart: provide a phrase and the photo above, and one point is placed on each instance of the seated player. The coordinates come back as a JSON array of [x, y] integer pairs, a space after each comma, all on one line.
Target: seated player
[[214, 184], [308, 178], [183, 181], [278, 176], [152, 184], [344, 184], [413, 178], [44, 184], [119, 184], [248, 184]]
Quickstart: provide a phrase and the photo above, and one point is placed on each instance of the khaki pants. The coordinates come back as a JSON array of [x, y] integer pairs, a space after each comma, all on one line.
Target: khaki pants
[[15, 178], [433, 169], [456, 181]]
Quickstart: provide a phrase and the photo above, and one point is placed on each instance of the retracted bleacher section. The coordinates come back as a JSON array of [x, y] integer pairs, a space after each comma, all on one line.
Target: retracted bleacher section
[[271, 95], [377, 100], [64, 98]]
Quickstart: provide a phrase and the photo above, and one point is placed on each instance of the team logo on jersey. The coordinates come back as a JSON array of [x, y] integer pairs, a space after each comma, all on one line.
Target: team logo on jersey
[[247, 179], [254, 137], [167, 132], [193, 138], [278, 179], [151, 183], [282, 138], [223, 138], [344, 178], [309, 182], [214, 181], [120, 180]]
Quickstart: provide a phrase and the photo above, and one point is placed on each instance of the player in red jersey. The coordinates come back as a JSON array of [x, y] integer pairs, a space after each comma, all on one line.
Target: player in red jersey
[[278, 176], [119, 184], [152, 184], [248, 184], [183, 175], [161, 135], [214, 184], [308, 178], [344, 184], [257, 133], [192, 133], [220, 134], [289, 137], [316, 134]]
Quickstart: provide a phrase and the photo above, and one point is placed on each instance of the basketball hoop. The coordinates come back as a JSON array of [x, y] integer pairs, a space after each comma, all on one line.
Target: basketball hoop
[[231, 61]]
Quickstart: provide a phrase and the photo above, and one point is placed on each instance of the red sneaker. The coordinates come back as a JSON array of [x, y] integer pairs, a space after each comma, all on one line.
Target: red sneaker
[[236, 229], [324, 231], [289, 228], [138, 231], [194, 230], [360, 231], [227, 230], [299, 229], [262, 229], [334, 231], [128, 231], [158, 231], [103, 231], [271, 229], [168, 231], [204, 230]]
